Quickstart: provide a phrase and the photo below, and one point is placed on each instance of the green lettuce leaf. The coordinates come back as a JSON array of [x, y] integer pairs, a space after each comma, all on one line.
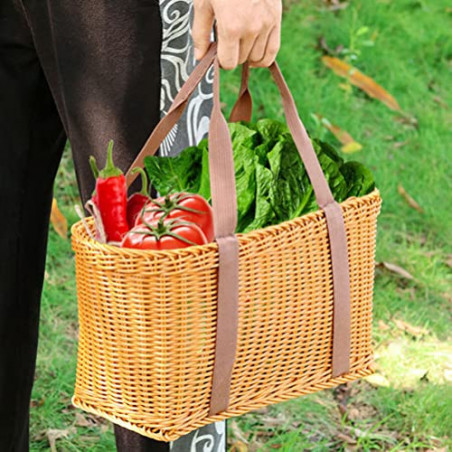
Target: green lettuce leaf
[[360, 180], [242, 135], [173, 174], [264, 214], [204, 184], [271, 130], [291, 185]]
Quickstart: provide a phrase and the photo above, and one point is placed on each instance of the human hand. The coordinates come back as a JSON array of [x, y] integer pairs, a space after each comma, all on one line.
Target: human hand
[[248, 30]]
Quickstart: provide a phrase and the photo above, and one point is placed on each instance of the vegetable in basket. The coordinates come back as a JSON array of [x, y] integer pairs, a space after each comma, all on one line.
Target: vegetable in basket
[[169, 222], [110, 198], [190, 207], [137, 201], [164, 234], [271, 181]]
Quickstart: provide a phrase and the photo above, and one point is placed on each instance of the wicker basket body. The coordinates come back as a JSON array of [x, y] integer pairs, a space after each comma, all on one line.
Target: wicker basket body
[[148, 322]]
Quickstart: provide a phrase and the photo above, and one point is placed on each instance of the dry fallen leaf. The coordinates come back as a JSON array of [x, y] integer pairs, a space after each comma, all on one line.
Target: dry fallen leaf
[[410, 201], [335, 5], [362, 81], [441, 102], [85, 421], [237, 433], [351, 148], [382, 326], [54, 434], [263, 410], [58, 220], [400, 144], [449, 260], [239, 446], [323, 46], [348, 142], [395, 269], [346, 438], [377, 380], [37, 403], [410, 329], [274, 421], [407, 120]]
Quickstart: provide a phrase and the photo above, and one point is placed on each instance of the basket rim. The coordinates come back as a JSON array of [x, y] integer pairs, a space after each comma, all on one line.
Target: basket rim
[[80, 235]]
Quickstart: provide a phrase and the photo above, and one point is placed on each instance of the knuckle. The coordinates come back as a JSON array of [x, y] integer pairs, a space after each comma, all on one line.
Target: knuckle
[[234, 30], [267, 23], [254, 29]]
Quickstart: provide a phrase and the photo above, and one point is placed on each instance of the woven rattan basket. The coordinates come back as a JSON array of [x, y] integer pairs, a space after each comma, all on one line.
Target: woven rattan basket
[[149, 322]]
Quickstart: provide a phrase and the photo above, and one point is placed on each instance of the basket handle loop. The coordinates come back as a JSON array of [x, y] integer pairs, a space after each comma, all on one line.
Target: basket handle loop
[[242, 111], [224, 204], [243, 108]]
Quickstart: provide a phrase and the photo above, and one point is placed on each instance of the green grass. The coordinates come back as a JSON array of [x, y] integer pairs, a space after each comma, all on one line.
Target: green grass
[[408, 407]]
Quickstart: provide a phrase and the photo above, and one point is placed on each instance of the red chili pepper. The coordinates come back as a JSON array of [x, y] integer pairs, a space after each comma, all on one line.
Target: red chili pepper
[[164, 234], [95, 170], [137, 201], [189, 206], [111, 199]]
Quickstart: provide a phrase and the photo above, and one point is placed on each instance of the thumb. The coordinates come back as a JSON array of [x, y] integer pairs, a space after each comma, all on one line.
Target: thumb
[[202, 29]]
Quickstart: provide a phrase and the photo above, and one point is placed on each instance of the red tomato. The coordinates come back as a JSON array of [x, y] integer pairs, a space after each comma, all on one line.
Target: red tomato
[[190, 207], [135, 205], [164, 234]]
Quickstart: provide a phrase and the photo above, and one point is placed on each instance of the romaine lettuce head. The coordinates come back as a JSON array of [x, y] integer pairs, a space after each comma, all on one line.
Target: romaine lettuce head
[[271, 181]]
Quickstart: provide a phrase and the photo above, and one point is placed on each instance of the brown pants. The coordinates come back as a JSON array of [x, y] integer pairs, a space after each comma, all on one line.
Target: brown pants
[[84, 70]]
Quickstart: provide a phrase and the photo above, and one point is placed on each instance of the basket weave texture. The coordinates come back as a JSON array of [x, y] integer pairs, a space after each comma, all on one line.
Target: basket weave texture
[[148, 322]]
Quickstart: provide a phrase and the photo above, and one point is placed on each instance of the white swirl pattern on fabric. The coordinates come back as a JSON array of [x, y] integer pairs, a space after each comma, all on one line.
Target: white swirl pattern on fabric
[[177, 62]]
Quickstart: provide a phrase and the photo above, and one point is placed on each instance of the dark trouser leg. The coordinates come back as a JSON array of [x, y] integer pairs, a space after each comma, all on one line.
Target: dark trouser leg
[[101, 60], [31, 142]]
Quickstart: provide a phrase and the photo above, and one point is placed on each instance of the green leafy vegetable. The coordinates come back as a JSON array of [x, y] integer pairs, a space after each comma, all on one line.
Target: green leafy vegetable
[[264, 213], [173, 174], [360, 179], [271, 181]]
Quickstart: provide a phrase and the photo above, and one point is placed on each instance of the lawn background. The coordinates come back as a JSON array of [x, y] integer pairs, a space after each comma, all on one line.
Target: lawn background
[[405, 45]]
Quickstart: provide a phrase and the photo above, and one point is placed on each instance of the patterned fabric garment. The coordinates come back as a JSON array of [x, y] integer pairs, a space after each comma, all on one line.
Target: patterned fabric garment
[[177, 62]]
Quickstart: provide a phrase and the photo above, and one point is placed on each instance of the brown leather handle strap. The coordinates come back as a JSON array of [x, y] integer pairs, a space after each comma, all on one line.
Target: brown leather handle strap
[[336, 229], [243, 108], [224, 204], [335, 223], [221, 166]]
